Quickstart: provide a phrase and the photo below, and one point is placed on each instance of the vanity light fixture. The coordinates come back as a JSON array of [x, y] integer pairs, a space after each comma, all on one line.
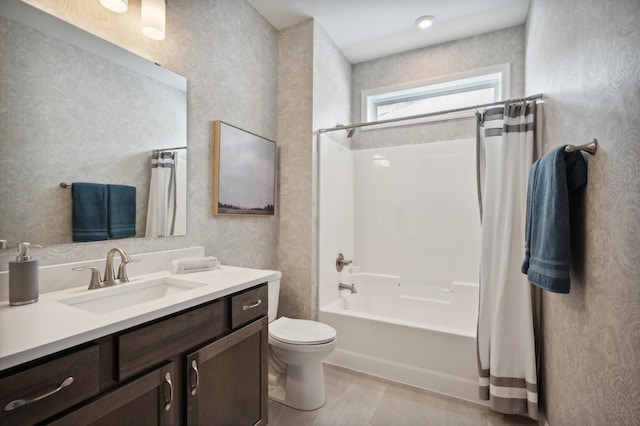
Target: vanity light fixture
[[118, 6], [153, 18], [425, 21]]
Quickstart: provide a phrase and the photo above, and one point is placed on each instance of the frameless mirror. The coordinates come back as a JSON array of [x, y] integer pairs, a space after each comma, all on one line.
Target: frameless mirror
[[75, 108]]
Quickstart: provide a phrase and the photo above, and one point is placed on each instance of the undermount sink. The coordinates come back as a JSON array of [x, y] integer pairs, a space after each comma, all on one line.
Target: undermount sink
[[122, 296]]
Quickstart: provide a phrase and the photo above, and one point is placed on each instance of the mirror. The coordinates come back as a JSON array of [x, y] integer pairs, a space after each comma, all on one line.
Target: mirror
[[75, 108]]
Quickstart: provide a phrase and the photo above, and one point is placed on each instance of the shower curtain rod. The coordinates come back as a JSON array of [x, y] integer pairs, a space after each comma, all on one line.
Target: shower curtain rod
[[169, 149], [429, 114]]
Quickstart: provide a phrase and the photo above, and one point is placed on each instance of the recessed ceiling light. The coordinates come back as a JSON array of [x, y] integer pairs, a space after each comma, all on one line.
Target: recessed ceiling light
[[425, 21]]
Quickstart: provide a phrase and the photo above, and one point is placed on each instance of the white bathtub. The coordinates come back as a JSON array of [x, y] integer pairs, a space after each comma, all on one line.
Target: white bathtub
[[416, 335]]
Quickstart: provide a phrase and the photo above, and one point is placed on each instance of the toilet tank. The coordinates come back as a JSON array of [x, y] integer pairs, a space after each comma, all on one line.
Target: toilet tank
[[274, 295]]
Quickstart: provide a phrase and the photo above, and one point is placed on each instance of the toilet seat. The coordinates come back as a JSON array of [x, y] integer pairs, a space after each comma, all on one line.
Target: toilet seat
[[301, 332]]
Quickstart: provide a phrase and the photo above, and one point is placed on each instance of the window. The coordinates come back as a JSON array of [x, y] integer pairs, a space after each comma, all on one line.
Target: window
[[454, 91]]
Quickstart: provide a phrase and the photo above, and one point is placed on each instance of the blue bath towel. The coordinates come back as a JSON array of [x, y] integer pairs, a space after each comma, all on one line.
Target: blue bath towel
[[122, 211], [89, 211], [547, 245]]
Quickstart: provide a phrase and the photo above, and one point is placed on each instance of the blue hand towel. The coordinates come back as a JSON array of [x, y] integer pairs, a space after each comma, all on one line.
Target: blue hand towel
[[547, 245], [89, 211], [122, 211]]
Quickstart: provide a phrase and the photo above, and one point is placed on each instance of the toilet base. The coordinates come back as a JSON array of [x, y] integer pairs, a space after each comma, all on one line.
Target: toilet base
[[297, 392]]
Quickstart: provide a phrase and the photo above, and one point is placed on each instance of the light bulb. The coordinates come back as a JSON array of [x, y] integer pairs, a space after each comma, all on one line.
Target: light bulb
[[153, 18], [119, 6]]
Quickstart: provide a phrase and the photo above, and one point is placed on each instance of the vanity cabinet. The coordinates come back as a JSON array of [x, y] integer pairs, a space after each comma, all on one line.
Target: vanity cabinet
[[203, 366], [227, 382]]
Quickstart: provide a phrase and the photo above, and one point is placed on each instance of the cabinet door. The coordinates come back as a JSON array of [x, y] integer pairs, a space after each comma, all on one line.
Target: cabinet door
[[227, 380], [148, 400]]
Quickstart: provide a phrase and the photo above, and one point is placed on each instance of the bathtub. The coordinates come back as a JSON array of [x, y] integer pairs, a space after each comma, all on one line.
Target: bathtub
[[417, 335]]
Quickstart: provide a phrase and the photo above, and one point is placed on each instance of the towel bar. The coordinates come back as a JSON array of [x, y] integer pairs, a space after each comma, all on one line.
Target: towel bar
[[591, 147], [65, 185]]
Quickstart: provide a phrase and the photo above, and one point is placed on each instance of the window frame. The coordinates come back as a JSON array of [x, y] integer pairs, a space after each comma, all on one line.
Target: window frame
[[497, 76]]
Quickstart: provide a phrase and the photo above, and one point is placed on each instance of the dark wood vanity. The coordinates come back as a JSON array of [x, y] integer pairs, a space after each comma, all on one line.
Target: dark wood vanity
[[206, 365]]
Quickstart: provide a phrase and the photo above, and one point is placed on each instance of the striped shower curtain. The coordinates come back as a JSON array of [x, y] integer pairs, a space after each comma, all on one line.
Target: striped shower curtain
[[506, 342], [162, 207]]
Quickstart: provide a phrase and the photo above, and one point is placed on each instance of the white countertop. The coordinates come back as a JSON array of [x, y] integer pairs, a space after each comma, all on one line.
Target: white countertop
[[31, 331]]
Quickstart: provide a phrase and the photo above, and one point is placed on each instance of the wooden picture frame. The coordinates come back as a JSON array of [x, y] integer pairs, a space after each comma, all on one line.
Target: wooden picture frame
[[244, 172]]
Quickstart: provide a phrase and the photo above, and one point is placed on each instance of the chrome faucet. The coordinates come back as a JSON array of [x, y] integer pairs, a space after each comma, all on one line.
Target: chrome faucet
[[343, 286], [109, 272]]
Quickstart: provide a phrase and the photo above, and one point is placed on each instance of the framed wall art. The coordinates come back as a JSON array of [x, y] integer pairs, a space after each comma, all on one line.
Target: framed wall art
[[244, 172]]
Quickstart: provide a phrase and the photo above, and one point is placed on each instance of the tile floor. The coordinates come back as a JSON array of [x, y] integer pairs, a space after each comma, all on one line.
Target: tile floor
[[356, 399]]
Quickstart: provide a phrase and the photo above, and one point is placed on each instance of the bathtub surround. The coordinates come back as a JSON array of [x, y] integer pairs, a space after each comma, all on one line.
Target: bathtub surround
[[409, 215], [583, 55]]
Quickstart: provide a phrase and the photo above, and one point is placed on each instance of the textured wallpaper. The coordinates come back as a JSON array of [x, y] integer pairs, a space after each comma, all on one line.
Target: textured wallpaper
[[313, 91], [584, 56], [68, 115], [499, 47], [295, 114], [228, 53]]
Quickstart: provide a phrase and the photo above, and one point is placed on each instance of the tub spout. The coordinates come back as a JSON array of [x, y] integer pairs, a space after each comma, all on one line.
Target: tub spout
[[351, 287]]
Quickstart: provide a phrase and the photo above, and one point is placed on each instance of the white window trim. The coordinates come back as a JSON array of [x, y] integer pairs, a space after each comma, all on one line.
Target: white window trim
[[368, 97]]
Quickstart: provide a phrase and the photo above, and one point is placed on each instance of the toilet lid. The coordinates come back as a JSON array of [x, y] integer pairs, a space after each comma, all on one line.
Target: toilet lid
[[301, 332]]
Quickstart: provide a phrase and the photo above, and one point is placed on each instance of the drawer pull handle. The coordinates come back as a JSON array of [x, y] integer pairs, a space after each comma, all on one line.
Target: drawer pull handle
[[194, 367], [255, 305], [167, 379], [20, 402]]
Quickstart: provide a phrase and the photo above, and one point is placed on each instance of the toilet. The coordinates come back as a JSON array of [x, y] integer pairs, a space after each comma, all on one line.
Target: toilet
[[296, 350]]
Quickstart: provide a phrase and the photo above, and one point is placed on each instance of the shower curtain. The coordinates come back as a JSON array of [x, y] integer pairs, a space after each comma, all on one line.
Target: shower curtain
[[506, 343], [162, 207]]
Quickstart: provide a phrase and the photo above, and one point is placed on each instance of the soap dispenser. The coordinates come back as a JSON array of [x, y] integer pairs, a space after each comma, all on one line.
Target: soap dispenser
[[23, 277]]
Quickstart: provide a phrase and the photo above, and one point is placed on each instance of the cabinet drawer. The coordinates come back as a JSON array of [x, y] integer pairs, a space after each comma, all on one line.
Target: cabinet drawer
[[147, 346], [39, 392], [249, 305]]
